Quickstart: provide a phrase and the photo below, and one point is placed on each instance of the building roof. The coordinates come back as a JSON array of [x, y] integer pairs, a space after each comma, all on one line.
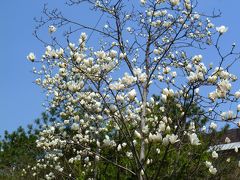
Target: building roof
[[224, 147], [233, 135]]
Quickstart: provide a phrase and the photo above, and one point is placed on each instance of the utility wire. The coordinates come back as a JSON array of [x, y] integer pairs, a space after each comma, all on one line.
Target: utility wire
[[95, 26]]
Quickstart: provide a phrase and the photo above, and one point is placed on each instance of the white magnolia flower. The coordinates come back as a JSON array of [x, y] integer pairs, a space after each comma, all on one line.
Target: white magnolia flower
[[236, 149], [227, 115], [160, 78], [213, 126], [113, 108], [204, 129], [142, 77], [194, 139], [168, 92], [52, 29], [224, 85], [212, 79], [137, 71], [108, 142], [197, 59], [113, 53], [221, 29], [155, 137], [237, 94], [212, 170], [174, 74], [31, 57], [160, 1], [156, 51], [208, 164], [129, 29], [227, 140], [132, 94], [137, 134], [215, 154], [122, 55], [197, 90], [164, 98], [124, 144], [129, 154], [75, 127], [128, 79], [143, 2], [166, 70], [165, 141], [173, 138], [66, 122], [83, 36], [174, 2], [119, 147], [120, 97], [116, 86], [128, 16], [192, 126], [62, 71], [162, 126], [187, 5]]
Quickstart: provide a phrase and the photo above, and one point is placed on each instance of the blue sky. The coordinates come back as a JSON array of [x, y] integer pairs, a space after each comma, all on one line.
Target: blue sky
[[20, 99]]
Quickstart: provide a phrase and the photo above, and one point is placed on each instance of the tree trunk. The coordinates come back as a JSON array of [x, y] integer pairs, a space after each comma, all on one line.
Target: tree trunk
[[143, 119]]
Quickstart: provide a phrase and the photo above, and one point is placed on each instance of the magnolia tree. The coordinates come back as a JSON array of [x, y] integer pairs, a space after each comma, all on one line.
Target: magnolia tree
[[137, 105]]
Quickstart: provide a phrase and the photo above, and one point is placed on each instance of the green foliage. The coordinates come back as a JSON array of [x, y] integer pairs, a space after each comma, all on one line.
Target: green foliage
[[179, 161], [18, 148], [182, 160]]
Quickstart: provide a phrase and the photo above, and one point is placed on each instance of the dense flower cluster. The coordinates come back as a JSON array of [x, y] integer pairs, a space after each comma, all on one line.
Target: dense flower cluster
[[106, 97]]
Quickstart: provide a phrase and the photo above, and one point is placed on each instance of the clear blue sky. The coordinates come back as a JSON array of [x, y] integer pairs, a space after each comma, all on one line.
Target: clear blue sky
[[20, 99]]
